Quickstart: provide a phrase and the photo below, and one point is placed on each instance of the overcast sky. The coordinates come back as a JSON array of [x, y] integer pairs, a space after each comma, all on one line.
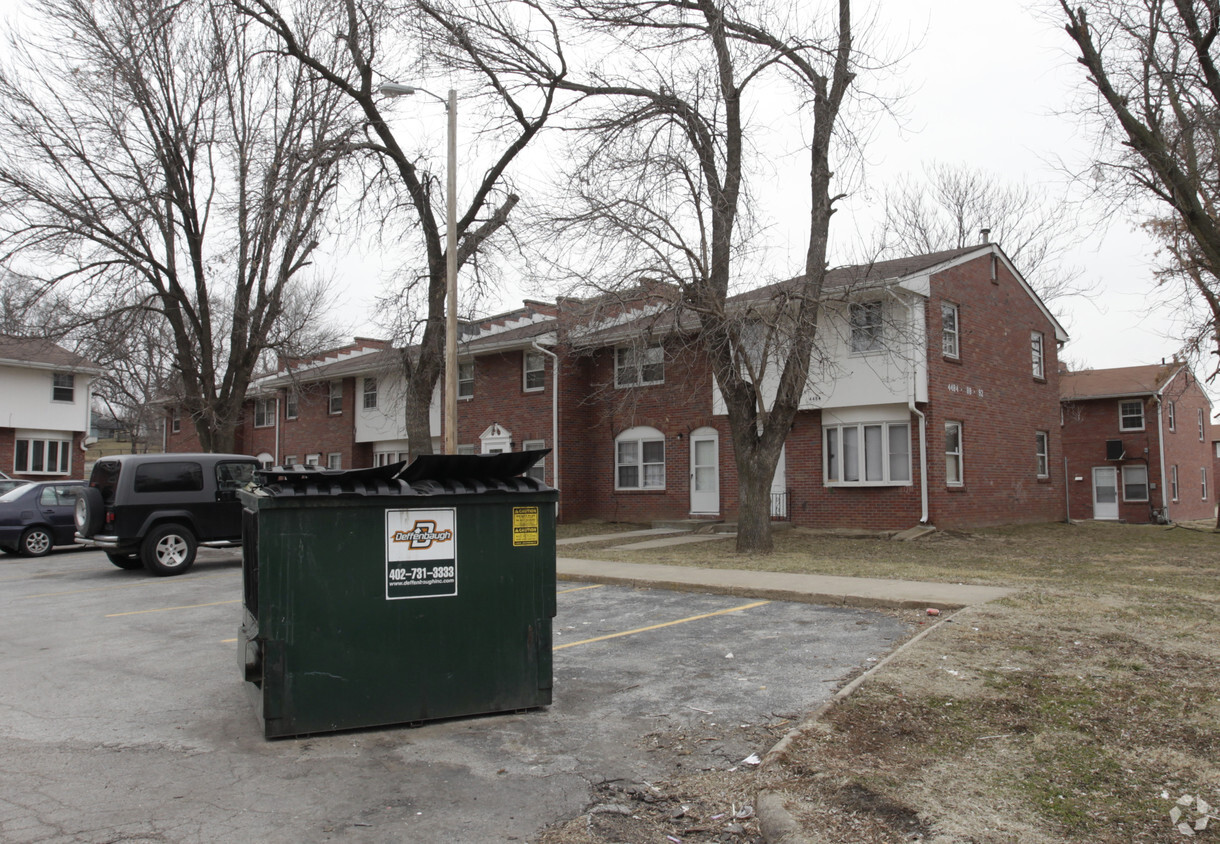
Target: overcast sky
[[989, 83]]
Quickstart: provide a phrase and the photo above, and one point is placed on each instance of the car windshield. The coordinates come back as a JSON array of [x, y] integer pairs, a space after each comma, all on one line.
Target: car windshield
[[14, 494]]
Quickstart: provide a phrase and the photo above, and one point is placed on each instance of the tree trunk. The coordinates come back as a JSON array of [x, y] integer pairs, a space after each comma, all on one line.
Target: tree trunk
[[754, 506], [419, 425]]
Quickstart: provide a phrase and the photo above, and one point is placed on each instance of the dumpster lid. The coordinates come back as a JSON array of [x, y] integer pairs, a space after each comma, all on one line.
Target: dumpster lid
[[495, 467], [430, 474]]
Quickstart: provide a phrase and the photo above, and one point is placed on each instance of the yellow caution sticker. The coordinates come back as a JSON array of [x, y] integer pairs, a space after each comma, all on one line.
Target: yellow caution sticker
[[525, 526]]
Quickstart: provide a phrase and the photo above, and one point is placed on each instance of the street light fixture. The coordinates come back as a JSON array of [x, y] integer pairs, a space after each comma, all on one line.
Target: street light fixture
[[449, 435]]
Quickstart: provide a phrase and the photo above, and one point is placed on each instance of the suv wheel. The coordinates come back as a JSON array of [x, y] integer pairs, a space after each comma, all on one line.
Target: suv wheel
[[125, 561], [168, 549], [87, 512], [35, 542]]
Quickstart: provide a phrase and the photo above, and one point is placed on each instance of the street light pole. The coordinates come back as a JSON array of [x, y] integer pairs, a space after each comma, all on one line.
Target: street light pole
[[449, 402]]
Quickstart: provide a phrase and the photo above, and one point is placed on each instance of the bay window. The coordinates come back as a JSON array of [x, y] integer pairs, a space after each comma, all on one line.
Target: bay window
[[877, 454]]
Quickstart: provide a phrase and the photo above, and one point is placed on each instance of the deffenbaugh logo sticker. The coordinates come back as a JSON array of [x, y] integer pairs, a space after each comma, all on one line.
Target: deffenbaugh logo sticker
[[420, 535]]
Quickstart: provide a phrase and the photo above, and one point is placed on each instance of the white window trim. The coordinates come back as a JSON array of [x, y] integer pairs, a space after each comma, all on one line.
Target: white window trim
[[334, 460], [1042, 450], [1123, 481], [268, 413], [462, 382], [1173, 483], [63, 448], [959, 454], [175, 420], [1203, 480], [954, 335], [291, 402], [70, 386], [875, 333], [334, 391], [290, 460], [640, 359], [640, 436], [538, 470], [1202, 427], [1170, 415], [526, 371], [313, 459], [861, 456], [369, 394], [1121, 418], [1038, 350]]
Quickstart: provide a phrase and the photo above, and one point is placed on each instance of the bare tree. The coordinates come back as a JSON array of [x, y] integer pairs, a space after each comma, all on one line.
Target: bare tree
[[951, 204], [155, 155], [660, 191], [513, 73], [1155, 102]]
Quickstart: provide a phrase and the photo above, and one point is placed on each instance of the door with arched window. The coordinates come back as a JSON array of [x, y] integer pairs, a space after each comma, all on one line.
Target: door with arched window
[[705, 471]]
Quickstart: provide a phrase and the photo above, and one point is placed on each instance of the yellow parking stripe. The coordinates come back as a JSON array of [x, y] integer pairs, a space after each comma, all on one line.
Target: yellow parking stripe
[[146, 582], [578, 589], [659, 626], [168, 609]]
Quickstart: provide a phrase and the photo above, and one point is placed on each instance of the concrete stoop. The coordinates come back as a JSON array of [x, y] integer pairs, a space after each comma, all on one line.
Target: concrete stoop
[[692, 525]]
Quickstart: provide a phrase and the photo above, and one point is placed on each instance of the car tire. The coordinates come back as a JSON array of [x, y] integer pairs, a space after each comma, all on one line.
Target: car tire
[[35, 542], [88, 511], [168, 550], [125, 561]]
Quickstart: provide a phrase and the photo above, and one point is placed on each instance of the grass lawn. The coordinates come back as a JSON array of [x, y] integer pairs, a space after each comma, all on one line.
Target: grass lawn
[[1082, 709]]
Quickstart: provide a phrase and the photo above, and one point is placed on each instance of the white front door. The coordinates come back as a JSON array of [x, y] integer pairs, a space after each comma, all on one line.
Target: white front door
[[1105, 493], [779, 487], [705, 471]]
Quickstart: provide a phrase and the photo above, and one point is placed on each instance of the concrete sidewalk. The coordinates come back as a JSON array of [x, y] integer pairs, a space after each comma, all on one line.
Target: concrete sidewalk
[[809, 588]]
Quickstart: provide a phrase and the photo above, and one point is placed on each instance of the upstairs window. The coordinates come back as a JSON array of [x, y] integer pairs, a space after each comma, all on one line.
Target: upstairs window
[[335, 403], [533, 371], [1130, 416], [466, 380], [866, 326], [63, 386], [1170, 416], [370, 394], [264, 413], [638, 367], [1202, 426], [1035, 345], [175, 420], [290, 405], [1173, 483], [949, 340]]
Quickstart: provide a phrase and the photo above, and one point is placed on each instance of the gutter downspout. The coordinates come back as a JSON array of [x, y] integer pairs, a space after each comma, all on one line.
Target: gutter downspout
[[554, 415], [1160, 447], [923, 423], [275, 461]]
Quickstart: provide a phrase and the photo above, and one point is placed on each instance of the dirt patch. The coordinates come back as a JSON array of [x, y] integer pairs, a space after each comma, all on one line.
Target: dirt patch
[[1085, 708]]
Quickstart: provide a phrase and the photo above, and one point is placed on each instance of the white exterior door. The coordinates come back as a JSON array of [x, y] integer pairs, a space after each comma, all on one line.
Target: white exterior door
[[779, 487], [705, 471], [1105, 493]]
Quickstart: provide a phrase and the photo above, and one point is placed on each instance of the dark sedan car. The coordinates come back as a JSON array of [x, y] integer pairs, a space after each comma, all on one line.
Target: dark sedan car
[[8, 484], [35, 517]]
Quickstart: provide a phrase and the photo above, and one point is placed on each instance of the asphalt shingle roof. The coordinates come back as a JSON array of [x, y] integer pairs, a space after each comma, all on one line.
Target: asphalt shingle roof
[[1120, 381], [41, 351]]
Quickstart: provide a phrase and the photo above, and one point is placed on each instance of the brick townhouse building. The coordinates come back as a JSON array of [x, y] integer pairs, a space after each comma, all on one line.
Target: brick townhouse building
[[1137, 442], [936, 400]]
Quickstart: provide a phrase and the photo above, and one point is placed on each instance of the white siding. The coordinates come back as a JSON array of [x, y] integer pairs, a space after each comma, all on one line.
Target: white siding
[[27, 401]]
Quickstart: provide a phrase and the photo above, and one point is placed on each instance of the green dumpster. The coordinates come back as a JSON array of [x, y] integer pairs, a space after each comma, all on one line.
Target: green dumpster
[[392, 595]]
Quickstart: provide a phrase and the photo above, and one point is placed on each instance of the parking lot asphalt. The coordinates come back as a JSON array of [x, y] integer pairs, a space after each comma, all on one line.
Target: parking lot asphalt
[[123, 715]]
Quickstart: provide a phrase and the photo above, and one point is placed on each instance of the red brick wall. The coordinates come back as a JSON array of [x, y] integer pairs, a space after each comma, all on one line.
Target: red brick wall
[[500, 397], [991, 390], [317, 431], [1088, 424]]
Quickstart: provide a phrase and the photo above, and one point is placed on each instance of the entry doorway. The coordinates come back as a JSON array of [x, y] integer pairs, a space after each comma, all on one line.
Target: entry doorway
[[705, 472], [1105, 493]]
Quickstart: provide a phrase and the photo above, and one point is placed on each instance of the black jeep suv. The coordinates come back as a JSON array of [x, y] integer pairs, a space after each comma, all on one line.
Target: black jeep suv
[[155, 510]]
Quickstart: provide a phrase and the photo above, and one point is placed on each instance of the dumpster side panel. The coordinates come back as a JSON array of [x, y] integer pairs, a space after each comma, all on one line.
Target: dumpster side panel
[[340, 653]]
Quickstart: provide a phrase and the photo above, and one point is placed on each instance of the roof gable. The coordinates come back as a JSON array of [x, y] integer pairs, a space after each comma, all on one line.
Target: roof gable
[[41, 353]]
